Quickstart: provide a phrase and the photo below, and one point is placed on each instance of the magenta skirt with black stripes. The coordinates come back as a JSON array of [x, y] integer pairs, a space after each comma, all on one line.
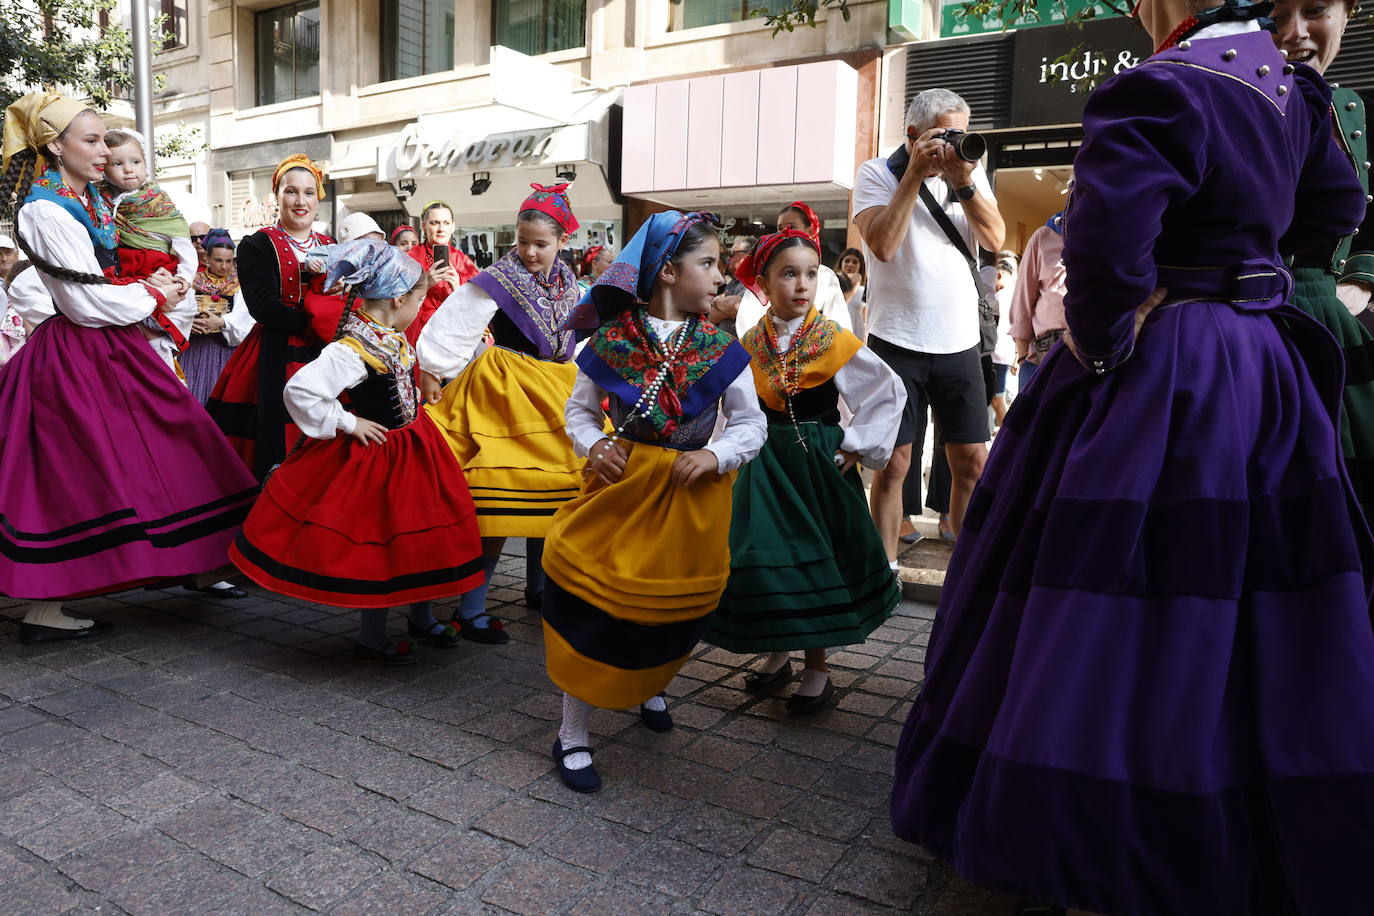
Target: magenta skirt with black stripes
[[111, 474]]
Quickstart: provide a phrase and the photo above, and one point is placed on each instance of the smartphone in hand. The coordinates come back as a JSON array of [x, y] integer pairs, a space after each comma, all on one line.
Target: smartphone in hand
[[440, 254]]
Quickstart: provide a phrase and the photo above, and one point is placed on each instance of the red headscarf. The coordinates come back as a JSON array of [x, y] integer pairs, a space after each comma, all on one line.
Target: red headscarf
[[589, 257], [553, 202], [404, 227], [813, 222], [750, 272]]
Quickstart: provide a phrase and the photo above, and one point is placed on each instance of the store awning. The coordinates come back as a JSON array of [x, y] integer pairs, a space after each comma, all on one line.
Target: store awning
[[510, 148]]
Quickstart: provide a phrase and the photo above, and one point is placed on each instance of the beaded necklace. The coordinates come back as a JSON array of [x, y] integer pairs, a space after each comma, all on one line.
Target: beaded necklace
[[666, 352], [786, 381], [313, 241]]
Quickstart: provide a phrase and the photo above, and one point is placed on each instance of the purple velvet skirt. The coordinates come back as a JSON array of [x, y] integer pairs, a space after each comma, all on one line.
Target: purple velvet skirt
[[111, 474], [202, 362], [1150, 685]]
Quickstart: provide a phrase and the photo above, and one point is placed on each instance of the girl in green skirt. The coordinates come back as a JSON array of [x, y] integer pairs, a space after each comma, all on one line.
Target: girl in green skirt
[[807, 567]]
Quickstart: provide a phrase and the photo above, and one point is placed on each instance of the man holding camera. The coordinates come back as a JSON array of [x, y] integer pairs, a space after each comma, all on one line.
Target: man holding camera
[[923, 212]]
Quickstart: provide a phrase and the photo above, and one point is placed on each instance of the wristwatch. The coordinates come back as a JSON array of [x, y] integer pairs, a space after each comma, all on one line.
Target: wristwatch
[[965, 193]]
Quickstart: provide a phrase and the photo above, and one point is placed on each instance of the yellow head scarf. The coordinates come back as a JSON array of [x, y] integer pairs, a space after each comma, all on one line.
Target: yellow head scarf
[[300, 161], [35, 121]]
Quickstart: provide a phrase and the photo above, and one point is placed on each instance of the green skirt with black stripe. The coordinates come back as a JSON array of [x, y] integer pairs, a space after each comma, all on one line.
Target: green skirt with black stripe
[[807, 567], [1315, 293]]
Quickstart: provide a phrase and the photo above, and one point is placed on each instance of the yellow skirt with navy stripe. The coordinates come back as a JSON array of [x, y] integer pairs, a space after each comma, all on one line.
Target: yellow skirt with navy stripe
[[503, 418], [634, 570]]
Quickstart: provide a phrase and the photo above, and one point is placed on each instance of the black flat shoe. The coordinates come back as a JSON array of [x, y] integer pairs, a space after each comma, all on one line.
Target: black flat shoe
[[404, 654], [446, 638], [493, 634], [657, 720], [231, 593], [758, 682], [31, 634], [800, 706], [586, 779], [534, 600]]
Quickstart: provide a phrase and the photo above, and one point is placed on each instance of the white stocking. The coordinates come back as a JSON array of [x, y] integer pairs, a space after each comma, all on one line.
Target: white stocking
[[49, 614], [774, 662], [575, 731]]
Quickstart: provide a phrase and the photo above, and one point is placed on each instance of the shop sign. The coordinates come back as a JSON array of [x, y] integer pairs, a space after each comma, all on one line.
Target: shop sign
[[258, 213], [955, 22], [462, 154], [1053, 70]]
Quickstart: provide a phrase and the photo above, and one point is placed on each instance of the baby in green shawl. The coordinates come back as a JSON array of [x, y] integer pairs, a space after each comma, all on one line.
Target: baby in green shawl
[[151, 230]]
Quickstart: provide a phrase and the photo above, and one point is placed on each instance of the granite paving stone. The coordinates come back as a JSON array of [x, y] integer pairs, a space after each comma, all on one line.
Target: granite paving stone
[[392, 894], [750, 892], [460, 861], [179, 886], [111, 862], [535, 888], [716, 830], [72, 831], [801, 855], [397, 832], [36, 895], [594, 845], [231, 758], [324, 877]]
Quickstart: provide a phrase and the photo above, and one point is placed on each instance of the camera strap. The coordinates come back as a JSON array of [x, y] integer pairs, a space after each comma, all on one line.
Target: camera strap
[[985, 296]]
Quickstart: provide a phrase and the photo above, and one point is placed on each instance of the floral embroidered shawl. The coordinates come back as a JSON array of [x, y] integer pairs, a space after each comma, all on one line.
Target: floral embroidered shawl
[[95, 215], [534, 306], [624, 356]]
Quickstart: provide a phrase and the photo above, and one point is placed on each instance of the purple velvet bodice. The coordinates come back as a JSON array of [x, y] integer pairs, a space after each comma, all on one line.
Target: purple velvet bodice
[[1225, 155]]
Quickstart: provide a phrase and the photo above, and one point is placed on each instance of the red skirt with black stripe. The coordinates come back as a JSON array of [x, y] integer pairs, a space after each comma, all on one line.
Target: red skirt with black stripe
[[361, 526]]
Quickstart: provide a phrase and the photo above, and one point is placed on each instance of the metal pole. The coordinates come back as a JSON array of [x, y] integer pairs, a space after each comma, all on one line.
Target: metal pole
[[143, 76]]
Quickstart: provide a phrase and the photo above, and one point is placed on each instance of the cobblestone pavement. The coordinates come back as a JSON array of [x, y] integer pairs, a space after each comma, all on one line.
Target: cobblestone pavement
[[232, 758]]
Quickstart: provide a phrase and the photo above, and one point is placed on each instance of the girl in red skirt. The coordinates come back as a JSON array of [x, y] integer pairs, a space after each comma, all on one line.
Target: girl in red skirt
[[380, 516]]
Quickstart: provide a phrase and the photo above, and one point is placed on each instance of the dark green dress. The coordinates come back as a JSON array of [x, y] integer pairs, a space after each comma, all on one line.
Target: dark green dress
[[1315, 274], [807, 567]]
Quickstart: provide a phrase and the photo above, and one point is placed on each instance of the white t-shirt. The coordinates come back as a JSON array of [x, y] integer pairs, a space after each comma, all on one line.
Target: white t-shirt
[[923, 299]]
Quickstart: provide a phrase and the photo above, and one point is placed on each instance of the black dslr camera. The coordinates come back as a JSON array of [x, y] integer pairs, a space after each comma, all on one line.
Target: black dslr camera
[[970, 147]]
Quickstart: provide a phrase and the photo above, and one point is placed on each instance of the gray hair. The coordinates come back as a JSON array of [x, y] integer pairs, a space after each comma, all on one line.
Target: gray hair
[[927, 107]]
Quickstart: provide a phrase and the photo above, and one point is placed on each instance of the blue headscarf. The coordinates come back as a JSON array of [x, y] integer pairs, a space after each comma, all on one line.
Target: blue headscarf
[[371, 266], [630, 278], [217, 238]]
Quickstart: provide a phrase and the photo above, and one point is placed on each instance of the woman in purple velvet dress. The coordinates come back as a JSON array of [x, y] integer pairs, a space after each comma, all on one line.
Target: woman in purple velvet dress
[[1150, 686]]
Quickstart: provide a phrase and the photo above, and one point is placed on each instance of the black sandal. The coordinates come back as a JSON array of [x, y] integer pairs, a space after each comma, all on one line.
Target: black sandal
[[493, 634], [586, 779], [446, 638], [761, 682]]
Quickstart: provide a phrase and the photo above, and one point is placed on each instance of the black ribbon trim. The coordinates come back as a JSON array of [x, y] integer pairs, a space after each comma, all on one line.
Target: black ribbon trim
[[118, 537], [348, 586], [622, 644]]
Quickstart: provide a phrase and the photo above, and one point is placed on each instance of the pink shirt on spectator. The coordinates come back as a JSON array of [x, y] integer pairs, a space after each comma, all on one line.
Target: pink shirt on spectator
[[1037, 307]]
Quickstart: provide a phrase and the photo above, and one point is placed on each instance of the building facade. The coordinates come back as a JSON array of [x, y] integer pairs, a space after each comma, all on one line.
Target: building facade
[[469, 101]]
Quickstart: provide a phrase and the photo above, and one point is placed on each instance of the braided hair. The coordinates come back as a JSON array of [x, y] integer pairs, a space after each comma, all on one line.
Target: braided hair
[[14, 188]]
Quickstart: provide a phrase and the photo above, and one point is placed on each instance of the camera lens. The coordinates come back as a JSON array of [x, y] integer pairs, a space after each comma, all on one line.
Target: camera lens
[[971, 147]]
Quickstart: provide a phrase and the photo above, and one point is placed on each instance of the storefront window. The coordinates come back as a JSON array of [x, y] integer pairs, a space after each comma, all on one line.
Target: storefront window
[[540, 26], [417, 37], [691, 14], [288, 40]]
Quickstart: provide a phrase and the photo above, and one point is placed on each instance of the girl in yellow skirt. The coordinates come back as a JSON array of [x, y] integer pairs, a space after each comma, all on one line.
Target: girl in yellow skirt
[[639, 559], [503, 414]]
